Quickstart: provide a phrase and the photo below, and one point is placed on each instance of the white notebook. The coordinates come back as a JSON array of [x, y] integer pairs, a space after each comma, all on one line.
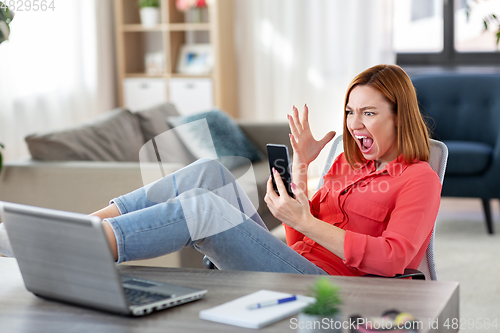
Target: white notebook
[[236, 312]]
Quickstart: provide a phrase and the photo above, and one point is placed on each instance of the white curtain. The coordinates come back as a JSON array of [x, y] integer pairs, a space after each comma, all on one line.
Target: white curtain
[[56, 70], [292, 52]]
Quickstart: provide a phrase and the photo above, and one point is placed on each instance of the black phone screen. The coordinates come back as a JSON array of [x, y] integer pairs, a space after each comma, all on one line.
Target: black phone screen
[[278, 159]]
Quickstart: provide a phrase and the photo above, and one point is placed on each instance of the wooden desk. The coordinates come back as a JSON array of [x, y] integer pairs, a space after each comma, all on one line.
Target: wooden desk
[[22, 312]]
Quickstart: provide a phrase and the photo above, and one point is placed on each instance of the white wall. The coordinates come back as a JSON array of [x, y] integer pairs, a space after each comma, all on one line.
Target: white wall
[[293, 52]]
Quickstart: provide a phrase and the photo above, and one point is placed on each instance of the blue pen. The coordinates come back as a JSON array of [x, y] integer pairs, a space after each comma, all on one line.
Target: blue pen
[[271, 303]]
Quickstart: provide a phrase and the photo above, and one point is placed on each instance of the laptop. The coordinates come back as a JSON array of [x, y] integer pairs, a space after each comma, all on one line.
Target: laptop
[[65, 257]]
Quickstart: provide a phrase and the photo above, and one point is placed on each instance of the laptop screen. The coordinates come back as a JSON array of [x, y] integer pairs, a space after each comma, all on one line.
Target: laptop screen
[[64, 256]]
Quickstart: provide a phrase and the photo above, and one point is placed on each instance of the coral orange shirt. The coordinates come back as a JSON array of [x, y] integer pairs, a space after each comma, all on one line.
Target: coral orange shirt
[[388, 216]]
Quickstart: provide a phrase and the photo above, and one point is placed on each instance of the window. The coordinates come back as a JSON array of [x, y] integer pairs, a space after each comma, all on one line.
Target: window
[[446, 32], [418, 26]]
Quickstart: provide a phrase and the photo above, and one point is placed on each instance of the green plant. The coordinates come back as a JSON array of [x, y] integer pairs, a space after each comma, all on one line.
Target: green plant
[[488, 20], [6, 17], [149, 3], [327, 299], [1, 146]]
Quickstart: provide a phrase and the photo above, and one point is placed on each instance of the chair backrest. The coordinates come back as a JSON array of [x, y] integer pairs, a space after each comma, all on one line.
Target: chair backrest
[[438, 159], [473, 99]]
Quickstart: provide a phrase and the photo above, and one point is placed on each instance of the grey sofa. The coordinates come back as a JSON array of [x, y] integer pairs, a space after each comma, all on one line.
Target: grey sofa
[[85, 186]]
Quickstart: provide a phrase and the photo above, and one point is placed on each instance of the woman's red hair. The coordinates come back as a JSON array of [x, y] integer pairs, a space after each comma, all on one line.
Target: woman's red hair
[[412, 133]]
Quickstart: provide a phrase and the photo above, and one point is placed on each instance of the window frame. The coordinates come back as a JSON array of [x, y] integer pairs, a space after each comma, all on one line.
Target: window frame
[[449, 56]]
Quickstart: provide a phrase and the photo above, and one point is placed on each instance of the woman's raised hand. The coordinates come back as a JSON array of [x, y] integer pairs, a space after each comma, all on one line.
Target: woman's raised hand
[[305, 147]]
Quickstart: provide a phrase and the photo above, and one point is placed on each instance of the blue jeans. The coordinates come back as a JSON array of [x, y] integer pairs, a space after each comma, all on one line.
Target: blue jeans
[[201, 205]]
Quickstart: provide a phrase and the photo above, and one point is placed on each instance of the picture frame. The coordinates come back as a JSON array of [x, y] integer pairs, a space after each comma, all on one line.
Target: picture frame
[[154, 63], [195, 59]]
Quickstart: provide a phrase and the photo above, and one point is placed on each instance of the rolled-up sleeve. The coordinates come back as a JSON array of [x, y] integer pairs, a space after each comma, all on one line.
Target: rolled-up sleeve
[[409, 228], [292, 235]]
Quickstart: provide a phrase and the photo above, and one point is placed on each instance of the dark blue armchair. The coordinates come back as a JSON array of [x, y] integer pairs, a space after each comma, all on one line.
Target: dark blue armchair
[[464, 112]]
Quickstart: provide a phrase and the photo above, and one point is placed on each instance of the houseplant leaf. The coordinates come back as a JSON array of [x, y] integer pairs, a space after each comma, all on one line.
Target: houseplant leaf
[[327, 299], [148, 3], [6, 17], [1, 146]]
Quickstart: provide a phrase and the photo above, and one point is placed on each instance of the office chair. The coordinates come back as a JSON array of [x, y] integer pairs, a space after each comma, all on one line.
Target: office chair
[[438, 159]]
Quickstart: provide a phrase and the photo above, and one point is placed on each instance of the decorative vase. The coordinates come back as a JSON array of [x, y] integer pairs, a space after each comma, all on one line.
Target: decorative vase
[[312, 323], [150, 16], [196, 15], [193, 15]]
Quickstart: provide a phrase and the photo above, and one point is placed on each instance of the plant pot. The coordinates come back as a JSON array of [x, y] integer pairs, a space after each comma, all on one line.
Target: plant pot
[[311, 323], [196, 15], [150, 16]]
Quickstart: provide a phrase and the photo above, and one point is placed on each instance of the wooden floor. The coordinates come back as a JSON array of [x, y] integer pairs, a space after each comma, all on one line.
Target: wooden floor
[[465, 253]]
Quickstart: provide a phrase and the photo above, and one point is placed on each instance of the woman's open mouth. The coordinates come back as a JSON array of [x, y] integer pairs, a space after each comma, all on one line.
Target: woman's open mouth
[[365, 143]]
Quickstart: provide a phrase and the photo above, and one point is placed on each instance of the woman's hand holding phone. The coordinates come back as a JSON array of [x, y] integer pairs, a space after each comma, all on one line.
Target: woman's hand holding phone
[[293, 212], [280, 161]]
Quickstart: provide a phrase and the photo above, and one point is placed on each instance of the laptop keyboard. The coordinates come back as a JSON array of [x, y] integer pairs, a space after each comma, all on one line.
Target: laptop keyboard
[[139, 297]]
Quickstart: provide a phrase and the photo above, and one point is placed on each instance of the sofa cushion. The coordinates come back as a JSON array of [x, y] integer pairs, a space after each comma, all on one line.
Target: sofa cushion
[[213, 134], [113, 136], [169, 147], [467, 158], [153, 121]]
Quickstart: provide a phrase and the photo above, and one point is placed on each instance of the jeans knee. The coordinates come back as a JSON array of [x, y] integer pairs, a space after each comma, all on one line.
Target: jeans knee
[[195, 192], [213, 169], [204, 160], [211, 166], [208, 214]]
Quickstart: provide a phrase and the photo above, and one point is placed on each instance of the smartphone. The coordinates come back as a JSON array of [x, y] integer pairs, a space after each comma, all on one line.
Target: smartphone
[[278, 159]]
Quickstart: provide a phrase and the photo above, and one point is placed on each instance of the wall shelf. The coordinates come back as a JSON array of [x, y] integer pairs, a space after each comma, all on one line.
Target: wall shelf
[[163, 43]]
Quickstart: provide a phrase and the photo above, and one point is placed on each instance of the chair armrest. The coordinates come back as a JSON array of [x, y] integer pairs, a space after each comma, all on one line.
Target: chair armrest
[[492, 176], [496, 150], [263, 133], [415, 274]]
